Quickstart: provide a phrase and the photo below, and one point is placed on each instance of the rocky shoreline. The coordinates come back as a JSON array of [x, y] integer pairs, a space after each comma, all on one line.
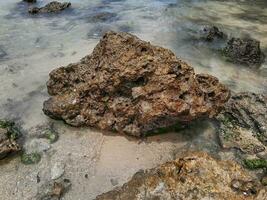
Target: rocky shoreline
[[130, 89]]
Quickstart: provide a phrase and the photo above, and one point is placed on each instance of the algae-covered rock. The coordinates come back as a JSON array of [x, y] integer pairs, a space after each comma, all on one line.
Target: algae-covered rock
[[243, 123], [30, 158], [255, 163], [51, 7], [9, 134], [196, 176], [244, 51], [128, 85]]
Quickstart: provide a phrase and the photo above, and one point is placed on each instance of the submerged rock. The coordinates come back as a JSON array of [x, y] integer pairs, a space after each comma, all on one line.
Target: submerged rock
[[103, 17], [244, 123], [244, 51], [196, 176], [128, 85], [53, 6], [211, 33], [8, 136], [53, 190], [30, 1]]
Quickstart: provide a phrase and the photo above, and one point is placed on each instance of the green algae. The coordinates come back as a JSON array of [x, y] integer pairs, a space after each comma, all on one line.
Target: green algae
[[255, 163], [12, 131], [51, 135], [31, 158]]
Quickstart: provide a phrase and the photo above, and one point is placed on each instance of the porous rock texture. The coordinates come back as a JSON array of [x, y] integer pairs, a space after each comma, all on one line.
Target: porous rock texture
[[243, 123], [51, 7], [195, 176], [244, 51], [128, 85]]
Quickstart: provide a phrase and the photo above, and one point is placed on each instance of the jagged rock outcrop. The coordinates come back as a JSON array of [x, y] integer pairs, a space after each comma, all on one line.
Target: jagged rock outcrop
[[211, 33], [244, 51], [244, 123], [196, 176], [128, 85], [51, 7], [8, 135]]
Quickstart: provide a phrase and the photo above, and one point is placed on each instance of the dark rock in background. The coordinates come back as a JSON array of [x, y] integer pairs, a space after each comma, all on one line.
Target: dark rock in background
[[244, 51], [51, 7]]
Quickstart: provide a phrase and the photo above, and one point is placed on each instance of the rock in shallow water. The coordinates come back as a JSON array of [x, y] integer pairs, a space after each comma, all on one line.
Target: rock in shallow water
[[211, 33], [53, 6], [244, 123], [131, 86], [30, 1], [8, 136], [244, 51], [196, 176]]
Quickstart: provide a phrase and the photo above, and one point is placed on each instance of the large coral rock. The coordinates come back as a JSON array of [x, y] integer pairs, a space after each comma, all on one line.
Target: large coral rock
[[131, 86], [244, 51], [196, 176], [8, 136], [51, 7], [244, 123]]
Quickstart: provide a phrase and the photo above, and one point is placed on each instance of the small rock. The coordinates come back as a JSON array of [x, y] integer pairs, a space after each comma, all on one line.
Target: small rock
[[57, 170], [102, 17], [30, 1], [212, 32], [244, 51], [51, 7], [9, 134], [53, 190]]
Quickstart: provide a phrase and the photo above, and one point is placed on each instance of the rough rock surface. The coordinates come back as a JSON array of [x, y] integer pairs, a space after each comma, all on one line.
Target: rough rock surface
[[53, 6], [244, 123], [128, 85], [212, 32], [244, 51], [196, 176], [8, 136]]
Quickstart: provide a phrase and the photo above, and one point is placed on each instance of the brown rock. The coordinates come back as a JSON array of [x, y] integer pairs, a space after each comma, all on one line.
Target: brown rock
[[51, 7], [196, 176], [131, 86]]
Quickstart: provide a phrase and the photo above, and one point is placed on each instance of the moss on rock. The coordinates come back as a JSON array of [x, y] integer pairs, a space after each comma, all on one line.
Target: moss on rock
[[31, 158], [255, 163]]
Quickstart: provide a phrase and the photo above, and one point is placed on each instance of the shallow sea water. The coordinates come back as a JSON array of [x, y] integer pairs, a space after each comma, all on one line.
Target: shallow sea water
[[32, 46]]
